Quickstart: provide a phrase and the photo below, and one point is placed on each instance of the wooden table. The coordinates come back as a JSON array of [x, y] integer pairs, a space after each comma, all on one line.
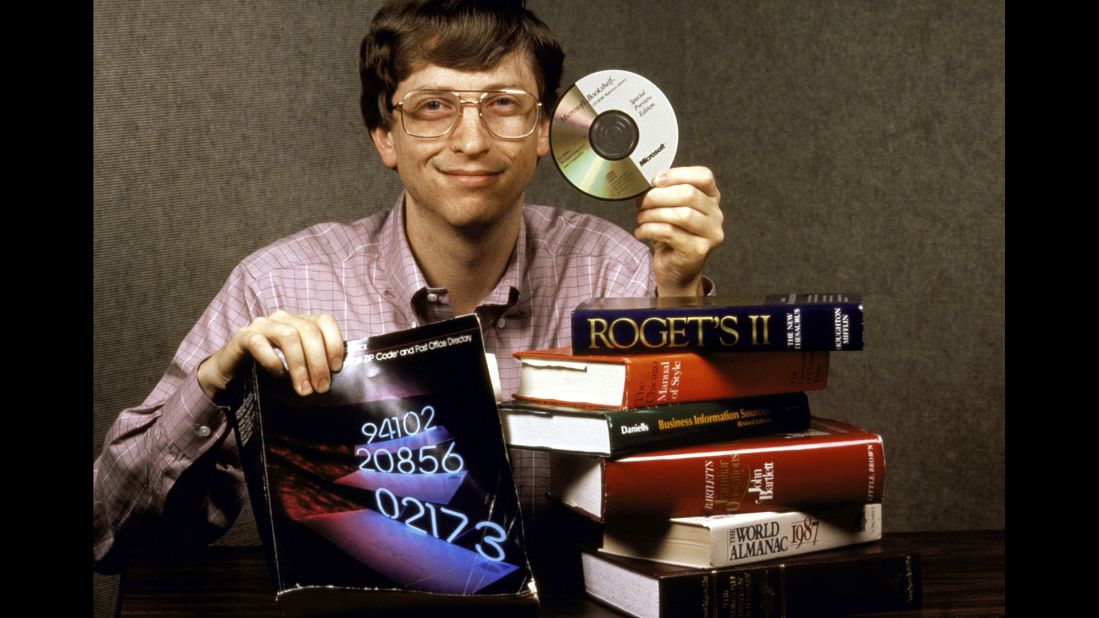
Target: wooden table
[[963, 574]]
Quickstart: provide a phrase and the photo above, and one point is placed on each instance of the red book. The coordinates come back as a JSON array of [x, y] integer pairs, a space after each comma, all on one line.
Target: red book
[[556, 376], [831, 463]]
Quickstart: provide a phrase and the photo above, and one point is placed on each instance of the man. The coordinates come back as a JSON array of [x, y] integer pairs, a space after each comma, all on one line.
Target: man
[[456, 96]]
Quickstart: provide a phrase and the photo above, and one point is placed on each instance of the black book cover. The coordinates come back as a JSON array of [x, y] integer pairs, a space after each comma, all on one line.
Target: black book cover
[[832, 583], [393, 488]]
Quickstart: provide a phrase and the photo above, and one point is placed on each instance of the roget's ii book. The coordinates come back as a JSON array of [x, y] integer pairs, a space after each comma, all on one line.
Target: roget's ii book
[[393, 488], [765, 323]]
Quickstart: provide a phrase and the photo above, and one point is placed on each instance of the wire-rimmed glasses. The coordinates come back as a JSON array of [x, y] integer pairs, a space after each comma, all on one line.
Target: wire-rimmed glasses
[[506, 113]]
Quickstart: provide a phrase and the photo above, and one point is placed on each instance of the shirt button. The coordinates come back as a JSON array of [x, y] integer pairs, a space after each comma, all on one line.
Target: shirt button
[[203, 431], [501, 323], [432, 297]]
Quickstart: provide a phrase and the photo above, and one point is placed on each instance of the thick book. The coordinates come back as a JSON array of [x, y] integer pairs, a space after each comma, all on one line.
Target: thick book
[[392, 489], [556, 376], [616, 432], [726, 540], [765, 323], [835, 582], [830, 463]]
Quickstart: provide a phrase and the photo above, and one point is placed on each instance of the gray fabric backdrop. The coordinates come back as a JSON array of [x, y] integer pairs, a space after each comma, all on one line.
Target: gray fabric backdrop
[[858, 146]]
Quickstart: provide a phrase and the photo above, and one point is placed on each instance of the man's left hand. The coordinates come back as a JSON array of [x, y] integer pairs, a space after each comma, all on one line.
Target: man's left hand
[[682, 217]]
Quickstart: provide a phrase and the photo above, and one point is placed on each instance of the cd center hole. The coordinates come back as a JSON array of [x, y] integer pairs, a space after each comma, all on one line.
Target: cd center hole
[[613, 135]]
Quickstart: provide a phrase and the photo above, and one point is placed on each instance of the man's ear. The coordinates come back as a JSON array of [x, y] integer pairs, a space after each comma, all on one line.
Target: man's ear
[[383, 142], [543, 137]]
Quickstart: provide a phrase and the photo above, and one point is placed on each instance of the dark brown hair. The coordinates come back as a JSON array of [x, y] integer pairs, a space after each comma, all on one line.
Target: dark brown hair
[[470, 35]]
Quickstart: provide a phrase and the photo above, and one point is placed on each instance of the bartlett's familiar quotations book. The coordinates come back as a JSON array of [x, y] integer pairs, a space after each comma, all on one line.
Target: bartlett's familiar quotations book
[[393, 488], [829, 463]]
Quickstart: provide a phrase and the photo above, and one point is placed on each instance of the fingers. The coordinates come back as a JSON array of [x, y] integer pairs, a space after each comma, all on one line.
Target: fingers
[[253, 343], [681, 215], [697, 176], [302, 347], [333, 340], [685, 197], [311, 349], [675, 237], [706, 226]]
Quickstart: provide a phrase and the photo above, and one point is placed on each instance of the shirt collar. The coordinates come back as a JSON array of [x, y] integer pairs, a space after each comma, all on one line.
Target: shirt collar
[[403, 276], [506, 293], [407, 282]]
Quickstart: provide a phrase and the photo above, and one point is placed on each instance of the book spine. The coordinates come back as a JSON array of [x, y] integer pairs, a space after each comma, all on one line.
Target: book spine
[[795, 326], [763, 478], [694, 423], [654, 380], [782, 535], [687, 594], [875, 583], [858, 583], [247, 423]]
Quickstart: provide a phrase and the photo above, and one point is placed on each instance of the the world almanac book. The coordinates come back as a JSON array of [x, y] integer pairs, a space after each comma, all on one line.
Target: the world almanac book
[[392, 491]]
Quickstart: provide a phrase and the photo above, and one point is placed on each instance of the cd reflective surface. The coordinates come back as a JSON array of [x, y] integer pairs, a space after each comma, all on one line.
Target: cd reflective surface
[[633, 127]]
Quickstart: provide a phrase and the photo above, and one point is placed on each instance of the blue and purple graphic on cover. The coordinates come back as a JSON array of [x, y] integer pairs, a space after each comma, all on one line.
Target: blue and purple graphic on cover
[[401, 468]]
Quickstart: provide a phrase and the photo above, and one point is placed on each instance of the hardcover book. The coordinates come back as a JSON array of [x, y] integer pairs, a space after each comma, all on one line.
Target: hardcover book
[[393, 488], [767, 323], [726, 540], [835, 582], [616, 432], [830, 463], [556, 376]]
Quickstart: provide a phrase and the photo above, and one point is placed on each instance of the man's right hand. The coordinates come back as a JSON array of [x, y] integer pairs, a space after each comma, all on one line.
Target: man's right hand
[[312, 346]]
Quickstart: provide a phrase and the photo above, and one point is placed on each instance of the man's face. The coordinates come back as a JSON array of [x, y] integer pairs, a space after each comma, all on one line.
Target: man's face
[[468, 178]]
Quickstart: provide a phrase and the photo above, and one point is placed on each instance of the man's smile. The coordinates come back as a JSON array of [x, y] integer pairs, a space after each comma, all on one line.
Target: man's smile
[[471, 177]]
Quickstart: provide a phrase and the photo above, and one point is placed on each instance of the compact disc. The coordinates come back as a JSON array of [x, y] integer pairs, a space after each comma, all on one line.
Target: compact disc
[[612, 133]]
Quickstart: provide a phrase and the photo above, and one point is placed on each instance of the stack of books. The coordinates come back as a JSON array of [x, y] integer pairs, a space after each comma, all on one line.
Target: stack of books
[[682, 426]]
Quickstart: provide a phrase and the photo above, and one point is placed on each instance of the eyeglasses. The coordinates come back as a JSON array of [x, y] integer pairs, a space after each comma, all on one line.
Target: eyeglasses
[[508, 114]]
